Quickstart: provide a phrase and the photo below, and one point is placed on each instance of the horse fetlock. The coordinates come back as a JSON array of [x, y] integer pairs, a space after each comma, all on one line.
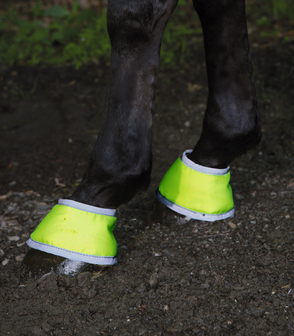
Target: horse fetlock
[[239, 128], [112, 185], [226, 134]]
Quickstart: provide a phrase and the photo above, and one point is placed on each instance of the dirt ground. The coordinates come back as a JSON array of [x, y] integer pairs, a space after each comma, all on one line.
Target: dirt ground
[[232, 277]]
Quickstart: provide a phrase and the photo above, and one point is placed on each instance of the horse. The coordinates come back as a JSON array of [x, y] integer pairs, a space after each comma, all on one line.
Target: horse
[[80, 228]]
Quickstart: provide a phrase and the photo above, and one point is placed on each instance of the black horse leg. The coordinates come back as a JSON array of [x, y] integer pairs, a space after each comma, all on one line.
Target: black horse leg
[[120, 163], [231, 124]]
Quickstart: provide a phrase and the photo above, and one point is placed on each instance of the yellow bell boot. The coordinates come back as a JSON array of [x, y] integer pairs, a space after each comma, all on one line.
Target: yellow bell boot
[[77, 231], [196, 191]]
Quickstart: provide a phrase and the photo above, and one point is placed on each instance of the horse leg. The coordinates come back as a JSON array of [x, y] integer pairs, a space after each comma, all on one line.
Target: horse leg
[[197, 185], [231, 124], [120, 163]]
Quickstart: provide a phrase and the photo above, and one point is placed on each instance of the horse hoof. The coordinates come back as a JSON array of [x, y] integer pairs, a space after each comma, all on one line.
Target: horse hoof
[[37, 263], [163, 215]]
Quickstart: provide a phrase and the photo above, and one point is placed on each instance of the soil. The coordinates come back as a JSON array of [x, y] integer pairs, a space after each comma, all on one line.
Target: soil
[[231, 277]]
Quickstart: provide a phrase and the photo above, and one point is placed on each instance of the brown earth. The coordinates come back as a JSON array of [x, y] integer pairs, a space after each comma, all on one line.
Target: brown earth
[[232, 277]]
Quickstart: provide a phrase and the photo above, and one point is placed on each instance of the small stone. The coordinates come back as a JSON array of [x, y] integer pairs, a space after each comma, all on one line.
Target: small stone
[[5, 262], [142, 331], [187, 123], [232, 225], [3, 197], [29, 193], [153, 282], [192, 87], [165, 308], [1, 253], [3, 225], [167, 253], [20, 257], [20, 244], [157, 254], [44, 277], [14, 238], [12, 222]]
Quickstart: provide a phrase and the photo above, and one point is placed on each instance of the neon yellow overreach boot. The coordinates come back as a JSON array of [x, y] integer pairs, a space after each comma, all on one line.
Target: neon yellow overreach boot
[[196, 191], [77, 231]]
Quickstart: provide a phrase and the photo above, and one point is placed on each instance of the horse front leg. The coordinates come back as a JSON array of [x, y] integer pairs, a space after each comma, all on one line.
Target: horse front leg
[[80, 228], [197, 185]]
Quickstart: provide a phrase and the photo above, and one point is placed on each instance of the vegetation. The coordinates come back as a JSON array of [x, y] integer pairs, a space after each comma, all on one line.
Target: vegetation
[[273, 18], [59, 35], [272, 10]]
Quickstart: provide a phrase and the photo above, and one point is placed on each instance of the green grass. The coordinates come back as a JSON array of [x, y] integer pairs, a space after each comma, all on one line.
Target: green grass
[[265, 12], [80, 36], [281, 9], [61, 36], [71, 36]]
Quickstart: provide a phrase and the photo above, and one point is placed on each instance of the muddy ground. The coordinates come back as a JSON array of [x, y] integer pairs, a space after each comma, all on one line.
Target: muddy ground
[[232, 277]]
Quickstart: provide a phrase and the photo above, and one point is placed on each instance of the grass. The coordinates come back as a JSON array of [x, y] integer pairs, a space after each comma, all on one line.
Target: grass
[[68, 36], [271, 10], [60, 35], [272, 17]]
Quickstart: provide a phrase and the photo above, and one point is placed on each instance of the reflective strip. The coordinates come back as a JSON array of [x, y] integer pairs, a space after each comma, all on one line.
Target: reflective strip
[[91, 259], [86, 207], [193, 214], [202, 169]]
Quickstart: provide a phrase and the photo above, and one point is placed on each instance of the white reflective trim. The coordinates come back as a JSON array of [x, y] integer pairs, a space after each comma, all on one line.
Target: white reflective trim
[[88, 258], [193, 214], [202, 169], [86, 207]]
